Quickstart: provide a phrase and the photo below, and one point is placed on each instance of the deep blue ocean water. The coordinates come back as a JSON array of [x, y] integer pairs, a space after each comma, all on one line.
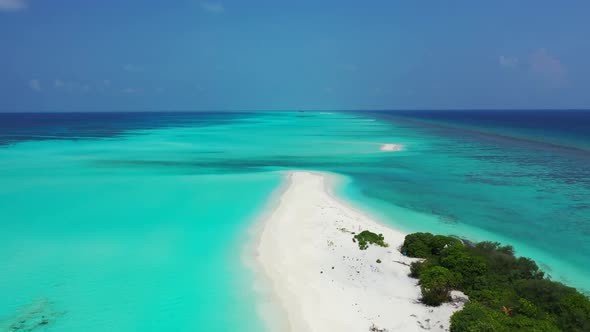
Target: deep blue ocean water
[[16, 127], [137, 221], [567, 128]]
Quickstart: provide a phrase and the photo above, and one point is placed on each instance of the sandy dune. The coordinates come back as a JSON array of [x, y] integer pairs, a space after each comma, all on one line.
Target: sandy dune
[[391, 147]]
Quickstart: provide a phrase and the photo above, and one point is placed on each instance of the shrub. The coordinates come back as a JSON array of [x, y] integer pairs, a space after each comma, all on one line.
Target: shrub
[[478, 318], [528, 308], [524, 323], [365, 238], [417, 245], [506, 293], [470, 267], [504, 267], [495, 298], [424, 245], [436, 284], [571, 309], [574, 312], [545, 293], [416, 268], [439, 242]]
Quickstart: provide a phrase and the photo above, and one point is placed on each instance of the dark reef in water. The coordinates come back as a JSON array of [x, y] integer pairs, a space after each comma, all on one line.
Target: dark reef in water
[[31, 317]]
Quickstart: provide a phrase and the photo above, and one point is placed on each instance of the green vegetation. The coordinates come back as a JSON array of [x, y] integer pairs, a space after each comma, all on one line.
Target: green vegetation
[[365, 238], [506, 293], [436, 284]]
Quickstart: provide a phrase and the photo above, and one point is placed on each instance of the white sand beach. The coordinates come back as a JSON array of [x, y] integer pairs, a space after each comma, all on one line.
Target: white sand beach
[[320, 277]]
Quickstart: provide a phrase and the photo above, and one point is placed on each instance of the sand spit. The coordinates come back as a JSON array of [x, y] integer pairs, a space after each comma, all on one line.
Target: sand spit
[[321, 278]]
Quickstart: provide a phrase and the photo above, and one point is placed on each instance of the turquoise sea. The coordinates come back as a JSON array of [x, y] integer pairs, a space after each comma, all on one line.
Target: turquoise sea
[[138, 221]]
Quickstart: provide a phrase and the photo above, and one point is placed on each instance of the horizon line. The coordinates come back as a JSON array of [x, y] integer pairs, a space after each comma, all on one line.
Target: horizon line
[[300, 110]]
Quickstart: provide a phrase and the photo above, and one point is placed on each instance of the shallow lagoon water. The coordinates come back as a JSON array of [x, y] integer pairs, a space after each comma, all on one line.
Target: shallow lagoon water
[[142, 226]]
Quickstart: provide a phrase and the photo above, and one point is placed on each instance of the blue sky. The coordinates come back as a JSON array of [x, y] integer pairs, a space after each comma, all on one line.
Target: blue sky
[[72, 55]]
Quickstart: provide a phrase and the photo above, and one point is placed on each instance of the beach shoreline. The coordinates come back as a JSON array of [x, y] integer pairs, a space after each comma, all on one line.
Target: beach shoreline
[[268, 306], [318, 279]]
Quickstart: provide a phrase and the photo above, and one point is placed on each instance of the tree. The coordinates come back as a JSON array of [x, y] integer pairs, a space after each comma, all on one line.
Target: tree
[[526, 268], [417, 245]]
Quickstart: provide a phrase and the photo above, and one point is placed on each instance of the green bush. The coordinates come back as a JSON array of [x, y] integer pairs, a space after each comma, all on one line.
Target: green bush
[[529, 309], [478, 318], [470, 267], [436, 284], [365, 238], [416, 268], [417, 245], [440, 242], [527, 324], [424, 245], [545, 293], [571, 308], [506, 293], [495, 298], [503, 265], [573, 313]]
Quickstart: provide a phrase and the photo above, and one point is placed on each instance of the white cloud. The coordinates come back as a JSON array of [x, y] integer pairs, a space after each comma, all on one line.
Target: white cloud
[[68, 86], [508, 61], [547, 66], [212, 7], [35, 85], [12, 5], [81, 87]]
